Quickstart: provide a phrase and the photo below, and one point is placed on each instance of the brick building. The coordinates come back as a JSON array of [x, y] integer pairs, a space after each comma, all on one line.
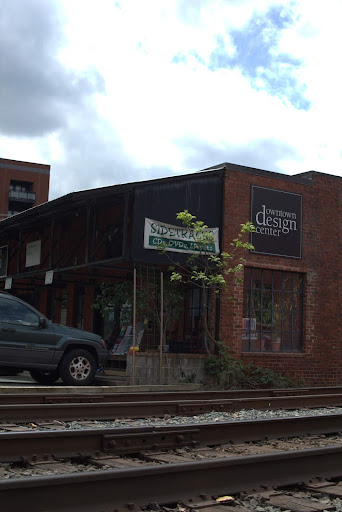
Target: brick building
[[311, 325], [286, 311], [22, 185]]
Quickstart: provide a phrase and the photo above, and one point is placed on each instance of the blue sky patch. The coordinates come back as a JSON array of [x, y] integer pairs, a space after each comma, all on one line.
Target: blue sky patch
[[183, 58], [257, 56]]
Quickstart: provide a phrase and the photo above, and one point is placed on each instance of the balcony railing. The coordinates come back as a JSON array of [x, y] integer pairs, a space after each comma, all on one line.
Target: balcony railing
[[28, 197]]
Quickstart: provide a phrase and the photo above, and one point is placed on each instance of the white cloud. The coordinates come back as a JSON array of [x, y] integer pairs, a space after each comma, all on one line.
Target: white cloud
[[156, 111]]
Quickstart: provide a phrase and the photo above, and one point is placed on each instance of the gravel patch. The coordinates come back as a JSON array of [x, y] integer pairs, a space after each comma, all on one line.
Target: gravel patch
[[250, 414], [8, 471]]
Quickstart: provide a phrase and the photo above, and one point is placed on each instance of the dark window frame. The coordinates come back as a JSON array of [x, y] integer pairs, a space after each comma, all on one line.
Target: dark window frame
[[273, 309], [192, 315]]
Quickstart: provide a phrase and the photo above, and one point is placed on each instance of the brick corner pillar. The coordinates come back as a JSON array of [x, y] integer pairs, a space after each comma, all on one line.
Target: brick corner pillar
[[231, 312]]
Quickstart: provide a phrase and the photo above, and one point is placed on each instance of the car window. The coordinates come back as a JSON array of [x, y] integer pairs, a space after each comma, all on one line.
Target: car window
[[17, 313]]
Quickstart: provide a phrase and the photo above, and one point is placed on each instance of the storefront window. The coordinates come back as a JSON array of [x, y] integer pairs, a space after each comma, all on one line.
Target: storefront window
[[188, 337], [192, 319], [272, 311]]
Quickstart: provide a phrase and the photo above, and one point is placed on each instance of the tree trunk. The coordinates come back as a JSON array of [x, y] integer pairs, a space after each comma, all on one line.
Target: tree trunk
[[204, 321], [212, 317]]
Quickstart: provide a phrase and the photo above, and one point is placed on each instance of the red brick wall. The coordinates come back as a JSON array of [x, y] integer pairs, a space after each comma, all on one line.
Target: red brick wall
[[39, 176], [321, 264]]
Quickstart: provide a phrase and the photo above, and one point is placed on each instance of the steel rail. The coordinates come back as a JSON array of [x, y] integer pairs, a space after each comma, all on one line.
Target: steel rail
[[104, 491], [54, 395], [114, 410], [39, 445]]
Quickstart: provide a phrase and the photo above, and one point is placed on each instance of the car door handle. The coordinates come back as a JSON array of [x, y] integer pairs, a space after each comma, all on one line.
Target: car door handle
[[8, 330]]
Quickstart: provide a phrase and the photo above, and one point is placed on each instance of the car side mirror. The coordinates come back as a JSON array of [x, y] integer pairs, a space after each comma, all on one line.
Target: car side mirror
[[42, 322]]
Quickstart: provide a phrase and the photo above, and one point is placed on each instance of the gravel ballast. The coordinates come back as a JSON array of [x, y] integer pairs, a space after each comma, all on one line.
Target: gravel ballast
[[243, 415]]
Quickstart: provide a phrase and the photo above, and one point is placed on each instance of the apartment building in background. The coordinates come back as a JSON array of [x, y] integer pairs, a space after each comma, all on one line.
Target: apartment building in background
[[22, 186]]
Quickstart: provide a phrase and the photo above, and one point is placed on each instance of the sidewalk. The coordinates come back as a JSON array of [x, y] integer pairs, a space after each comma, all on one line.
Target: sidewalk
[[23, 383]]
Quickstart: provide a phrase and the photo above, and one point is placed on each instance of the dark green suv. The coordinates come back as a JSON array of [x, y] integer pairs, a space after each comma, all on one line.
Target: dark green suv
[[29, 341]]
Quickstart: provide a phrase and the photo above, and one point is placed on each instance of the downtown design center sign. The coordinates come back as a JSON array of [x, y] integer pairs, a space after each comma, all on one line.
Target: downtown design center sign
[[177, 239], [277, 217]]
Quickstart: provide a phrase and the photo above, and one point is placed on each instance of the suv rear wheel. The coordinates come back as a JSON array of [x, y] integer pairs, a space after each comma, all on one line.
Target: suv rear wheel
[[77, 368], [44, 377]]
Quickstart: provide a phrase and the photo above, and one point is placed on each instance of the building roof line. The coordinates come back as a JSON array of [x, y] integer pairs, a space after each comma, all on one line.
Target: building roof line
[[17, 165], [296, 178], [84, 196]]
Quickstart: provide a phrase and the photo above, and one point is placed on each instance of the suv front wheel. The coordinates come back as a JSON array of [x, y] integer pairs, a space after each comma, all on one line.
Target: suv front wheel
[[77, 368]]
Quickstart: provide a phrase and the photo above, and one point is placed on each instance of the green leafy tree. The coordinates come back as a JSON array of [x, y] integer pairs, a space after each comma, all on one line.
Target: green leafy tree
[[209, 272]]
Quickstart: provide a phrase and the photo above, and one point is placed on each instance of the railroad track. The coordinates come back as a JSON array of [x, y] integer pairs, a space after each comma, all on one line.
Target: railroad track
[[113, 410], [82, 395], [55, 444], [163, 464], [134, 487], [142, 465]]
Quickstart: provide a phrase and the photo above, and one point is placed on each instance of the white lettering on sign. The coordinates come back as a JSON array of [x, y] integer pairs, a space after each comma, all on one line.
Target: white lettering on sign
[[274, 222], [178, 239]]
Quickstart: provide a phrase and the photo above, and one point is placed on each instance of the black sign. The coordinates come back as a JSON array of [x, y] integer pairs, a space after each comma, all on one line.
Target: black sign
[[162, 200], [277, 217], [3, 260]]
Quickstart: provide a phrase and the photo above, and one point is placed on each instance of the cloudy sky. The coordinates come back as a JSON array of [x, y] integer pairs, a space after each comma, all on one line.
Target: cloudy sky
[[123, 90]]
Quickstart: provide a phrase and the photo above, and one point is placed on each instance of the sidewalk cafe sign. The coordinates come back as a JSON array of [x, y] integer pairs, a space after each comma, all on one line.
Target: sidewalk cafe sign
[[177, 239], [277, 217], [3, 260]]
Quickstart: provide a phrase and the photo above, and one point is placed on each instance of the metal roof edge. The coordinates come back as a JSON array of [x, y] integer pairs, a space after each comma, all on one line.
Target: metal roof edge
[[302, 177], [93, 193], [260, 172]]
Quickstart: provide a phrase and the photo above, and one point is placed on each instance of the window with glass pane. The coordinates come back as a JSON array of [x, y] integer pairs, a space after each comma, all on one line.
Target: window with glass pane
[[192, 317], [272, 311], [16, 313]]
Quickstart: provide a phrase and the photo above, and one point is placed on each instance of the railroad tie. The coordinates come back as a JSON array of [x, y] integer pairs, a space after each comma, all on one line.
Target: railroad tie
[[293, 503]]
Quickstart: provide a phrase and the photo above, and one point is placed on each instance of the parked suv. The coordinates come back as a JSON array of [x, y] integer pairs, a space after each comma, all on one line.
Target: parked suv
[[29, 341]]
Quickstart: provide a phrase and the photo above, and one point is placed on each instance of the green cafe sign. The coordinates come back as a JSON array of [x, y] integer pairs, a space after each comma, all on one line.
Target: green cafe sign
[[177, 239]]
